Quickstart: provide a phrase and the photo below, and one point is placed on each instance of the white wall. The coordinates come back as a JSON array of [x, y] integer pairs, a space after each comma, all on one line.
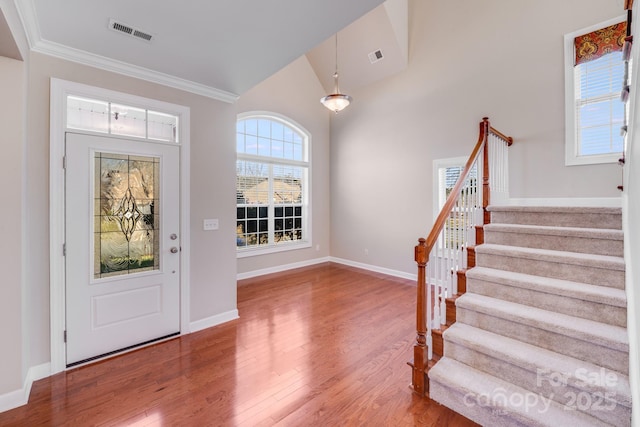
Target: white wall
[[632, 252], [467, 59], [295, 92], [631, 226], [12, 88], [213, 264]]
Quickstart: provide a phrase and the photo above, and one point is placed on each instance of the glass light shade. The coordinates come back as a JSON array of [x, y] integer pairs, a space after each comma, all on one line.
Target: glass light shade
[[336, 101]]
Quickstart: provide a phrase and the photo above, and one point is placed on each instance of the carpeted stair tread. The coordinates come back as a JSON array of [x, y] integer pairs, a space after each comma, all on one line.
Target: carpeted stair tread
[[614, 337], [566, 216], [544, 319], [560, 257], [597, 233], [600, 294], [607, 210], [477, 395], [533, 358], [600, 241]]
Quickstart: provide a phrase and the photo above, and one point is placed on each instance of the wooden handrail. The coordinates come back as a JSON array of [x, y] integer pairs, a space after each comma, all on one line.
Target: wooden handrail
[[441, 220], [423, 345], [508, 139]]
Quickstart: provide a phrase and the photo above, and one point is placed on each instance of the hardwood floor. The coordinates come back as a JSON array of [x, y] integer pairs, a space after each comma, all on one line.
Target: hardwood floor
[[325, 345]]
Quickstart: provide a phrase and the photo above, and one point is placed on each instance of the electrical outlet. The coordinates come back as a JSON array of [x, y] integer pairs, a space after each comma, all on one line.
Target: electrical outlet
[[210, 224]]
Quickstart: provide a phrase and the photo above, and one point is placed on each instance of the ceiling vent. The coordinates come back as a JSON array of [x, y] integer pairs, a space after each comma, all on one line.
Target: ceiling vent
[[129, 30], [375, 56]]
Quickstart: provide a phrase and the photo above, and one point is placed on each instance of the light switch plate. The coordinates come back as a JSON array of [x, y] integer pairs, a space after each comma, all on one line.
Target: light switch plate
[[210, 224]]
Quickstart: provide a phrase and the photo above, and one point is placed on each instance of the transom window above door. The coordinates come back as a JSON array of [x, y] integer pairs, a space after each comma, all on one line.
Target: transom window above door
[[117, 119]]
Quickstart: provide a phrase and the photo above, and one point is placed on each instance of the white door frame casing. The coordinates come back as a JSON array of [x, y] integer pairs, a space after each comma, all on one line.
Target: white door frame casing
[[60, 89]]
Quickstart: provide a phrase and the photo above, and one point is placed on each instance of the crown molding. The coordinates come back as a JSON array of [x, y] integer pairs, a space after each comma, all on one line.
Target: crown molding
[[119, 67], [26, 10]]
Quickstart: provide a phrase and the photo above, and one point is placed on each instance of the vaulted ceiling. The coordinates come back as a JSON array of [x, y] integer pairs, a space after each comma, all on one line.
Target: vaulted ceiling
[[8, 45], [219, 48]]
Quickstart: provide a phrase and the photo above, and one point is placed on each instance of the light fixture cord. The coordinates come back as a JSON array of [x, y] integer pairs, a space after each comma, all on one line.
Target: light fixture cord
[[335, 75], [336, 53]]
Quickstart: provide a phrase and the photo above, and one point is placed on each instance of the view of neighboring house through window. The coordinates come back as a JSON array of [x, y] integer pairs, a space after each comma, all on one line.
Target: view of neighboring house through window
[[272, 171], [446, 175], [594, 80]]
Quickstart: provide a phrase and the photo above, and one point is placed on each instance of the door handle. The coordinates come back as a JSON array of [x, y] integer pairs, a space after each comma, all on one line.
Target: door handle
[[173, 250]]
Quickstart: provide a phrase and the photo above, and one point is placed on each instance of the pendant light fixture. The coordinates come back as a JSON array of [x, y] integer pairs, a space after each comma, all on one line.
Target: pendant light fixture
[[336, 101]]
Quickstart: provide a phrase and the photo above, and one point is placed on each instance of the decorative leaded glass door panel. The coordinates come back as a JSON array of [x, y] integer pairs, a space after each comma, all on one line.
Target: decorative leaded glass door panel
[[123, 258], [125, 222]]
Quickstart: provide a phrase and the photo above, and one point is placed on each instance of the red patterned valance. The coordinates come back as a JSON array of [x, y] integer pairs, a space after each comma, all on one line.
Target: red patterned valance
[[600, 42]]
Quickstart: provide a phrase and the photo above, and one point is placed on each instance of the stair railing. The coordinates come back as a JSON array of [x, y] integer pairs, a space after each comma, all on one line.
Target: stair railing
[[444, 251]]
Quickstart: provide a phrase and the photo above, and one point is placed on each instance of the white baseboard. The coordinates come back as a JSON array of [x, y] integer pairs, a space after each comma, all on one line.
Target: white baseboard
[[280, 268], [16, 398], [375, 268], [39, 372], [20, 397], [216, 320], [606, 202]]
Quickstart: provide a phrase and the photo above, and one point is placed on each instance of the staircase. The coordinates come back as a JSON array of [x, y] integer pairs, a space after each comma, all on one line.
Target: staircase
[[540, 335]]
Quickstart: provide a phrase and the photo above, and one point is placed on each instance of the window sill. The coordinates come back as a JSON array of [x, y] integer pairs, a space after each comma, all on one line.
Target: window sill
[[272, 249], [592, 160]]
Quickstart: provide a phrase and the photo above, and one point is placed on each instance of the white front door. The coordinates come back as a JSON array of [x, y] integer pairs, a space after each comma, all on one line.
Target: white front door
[[122, 204]]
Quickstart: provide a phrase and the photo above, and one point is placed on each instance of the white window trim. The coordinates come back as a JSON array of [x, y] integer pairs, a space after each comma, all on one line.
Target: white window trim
[[307, 222], [571, 144], [60, 89], [437, 165]]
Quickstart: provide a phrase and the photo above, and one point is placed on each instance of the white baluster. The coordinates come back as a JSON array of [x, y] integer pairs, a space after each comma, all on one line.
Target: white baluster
[[443, 307], [436, 284], [429, 339]]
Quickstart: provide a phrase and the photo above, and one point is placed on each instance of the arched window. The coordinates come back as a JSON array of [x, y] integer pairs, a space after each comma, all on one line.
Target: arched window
[[272, 174]]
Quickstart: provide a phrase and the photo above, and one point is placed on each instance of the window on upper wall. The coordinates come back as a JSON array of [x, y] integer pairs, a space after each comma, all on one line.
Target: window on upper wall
[[272, 185], [594, 76]]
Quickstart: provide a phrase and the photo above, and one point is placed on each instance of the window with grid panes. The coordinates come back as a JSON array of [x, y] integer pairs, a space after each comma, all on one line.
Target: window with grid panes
[[272, 171], [447, 172], [594, 111]]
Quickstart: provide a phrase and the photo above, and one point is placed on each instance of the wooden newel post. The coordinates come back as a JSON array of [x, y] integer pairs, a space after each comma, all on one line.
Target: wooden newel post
[[420, 351]]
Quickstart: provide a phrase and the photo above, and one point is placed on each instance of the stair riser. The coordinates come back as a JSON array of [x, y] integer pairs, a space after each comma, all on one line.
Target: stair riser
[[592, 352], [479, 367], [557, 270], [451, 311], [541, 381], [559, 243], [560, 219], [437, 342], [491, 401], [480, 412], [558, 303]]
